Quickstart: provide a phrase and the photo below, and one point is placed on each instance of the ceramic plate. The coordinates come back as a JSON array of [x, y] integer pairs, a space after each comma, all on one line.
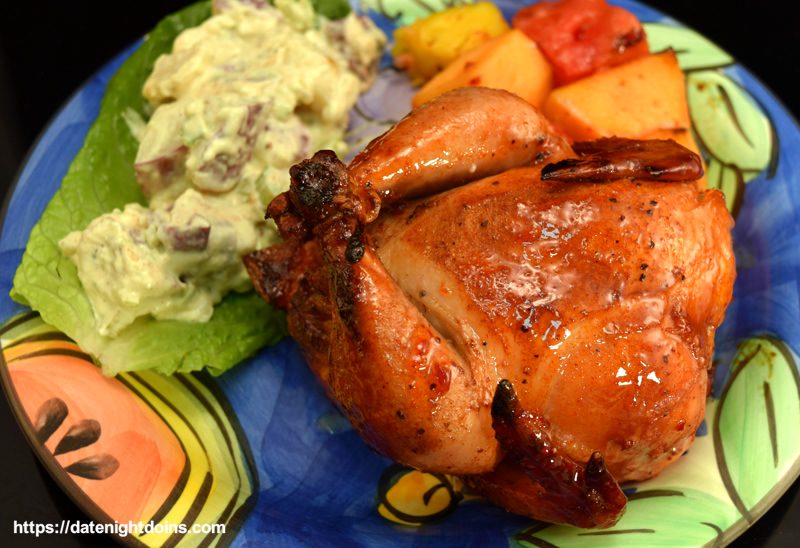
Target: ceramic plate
[[262, 450]]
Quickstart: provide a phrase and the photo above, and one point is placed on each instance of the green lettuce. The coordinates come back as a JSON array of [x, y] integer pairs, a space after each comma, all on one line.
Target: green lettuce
[[332, 9], [100, 179]]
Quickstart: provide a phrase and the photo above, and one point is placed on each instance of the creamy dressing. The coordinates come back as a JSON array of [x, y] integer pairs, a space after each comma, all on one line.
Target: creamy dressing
[[240, 99]]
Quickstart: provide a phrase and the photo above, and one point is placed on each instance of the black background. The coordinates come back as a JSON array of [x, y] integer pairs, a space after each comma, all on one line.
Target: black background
[[48, 49]]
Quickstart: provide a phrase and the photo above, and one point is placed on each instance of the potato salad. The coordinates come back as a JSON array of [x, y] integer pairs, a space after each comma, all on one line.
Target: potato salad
[[242, 97]]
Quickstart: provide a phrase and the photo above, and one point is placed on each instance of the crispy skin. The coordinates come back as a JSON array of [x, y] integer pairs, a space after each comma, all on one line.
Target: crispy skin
[[381, 360], [597, 302], [463, 135], [534, 474], [292, 276], [615, 158]]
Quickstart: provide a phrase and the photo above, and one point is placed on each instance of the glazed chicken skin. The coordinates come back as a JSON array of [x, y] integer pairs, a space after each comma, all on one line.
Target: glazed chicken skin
[[544, 328]]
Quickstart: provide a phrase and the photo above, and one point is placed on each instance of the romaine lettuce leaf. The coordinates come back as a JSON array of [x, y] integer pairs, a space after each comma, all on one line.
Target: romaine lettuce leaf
[[332, 9], [100, 179]]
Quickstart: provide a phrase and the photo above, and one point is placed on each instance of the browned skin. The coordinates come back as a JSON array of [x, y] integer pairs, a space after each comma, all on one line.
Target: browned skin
[[615, 158], [292, 276], [462, 135], [597, 302], [535, 474]]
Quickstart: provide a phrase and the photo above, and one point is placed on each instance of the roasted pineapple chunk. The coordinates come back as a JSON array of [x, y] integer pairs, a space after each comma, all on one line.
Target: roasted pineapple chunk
[[428, 45]]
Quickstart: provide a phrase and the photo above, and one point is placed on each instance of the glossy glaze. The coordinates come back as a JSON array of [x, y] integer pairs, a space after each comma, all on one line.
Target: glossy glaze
[[597, 302], [458, 137], [594, 300]]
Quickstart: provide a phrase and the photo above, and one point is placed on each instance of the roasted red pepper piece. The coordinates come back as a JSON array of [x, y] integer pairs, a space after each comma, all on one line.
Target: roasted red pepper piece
[[581, 37]]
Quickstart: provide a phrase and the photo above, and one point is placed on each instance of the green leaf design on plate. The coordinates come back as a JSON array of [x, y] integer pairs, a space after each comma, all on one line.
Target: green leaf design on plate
[[729, 124], [757, 428], [656, 518], [737, 137], [693, 49], [408, 11], [730, 180]]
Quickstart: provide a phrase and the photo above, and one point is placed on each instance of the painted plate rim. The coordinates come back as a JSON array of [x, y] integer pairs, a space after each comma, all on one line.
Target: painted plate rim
[[95, 513]]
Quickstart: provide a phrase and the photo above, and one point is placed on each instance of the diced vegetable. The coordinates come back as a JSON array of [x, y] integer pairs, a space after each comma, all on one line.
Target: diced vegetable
[[580, 37], [428, 45], [510, 61], [631, 100]]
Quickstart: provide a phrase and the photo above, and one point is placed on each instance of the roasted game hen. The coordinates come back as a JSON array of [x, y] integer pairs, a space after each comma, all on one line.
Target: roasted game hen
[[544, 328]]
